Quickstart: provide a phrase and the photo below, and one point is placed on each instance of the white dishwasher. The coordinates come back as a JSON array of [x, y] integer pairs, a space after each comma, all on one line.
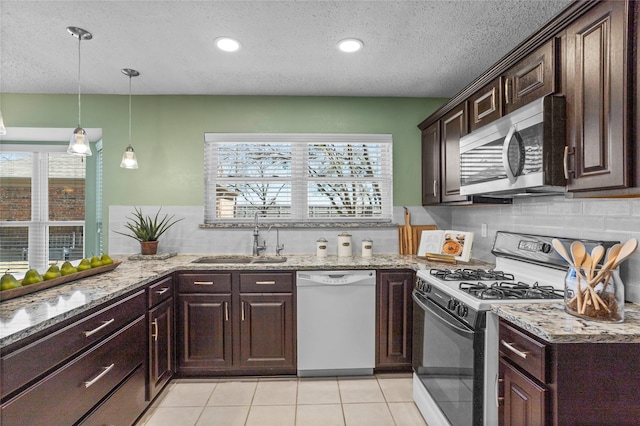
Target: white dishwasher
[[336, 322]]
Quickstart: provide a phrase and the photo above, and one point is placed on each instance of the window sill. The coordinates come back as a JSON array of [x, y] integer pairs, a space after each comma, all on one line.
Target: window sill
[[300, 225]]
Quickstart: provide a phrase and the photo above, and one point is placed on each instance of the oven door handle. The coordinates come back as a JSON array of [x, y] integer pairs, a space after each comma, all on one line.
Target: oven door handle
[[437, 312]]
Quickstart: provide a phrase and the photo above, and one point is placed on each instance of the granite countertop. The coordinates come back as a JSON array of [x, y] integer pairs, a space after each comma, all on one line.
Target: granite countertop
[[26, 315], [550, 322]]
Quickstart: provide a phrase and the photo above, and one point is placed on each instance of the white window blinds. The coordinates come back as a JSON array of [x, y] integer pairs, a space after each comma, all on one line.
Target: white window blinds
[[298, 177]]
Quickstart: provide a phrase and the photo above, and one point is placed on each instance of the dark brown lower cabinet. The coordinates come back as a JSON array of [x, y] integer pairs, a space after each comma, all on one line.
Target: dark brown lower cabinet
[[161, 358], [394, 320], [236, 323], [204, 334], [524, 400], [266, 331], [567, 384]]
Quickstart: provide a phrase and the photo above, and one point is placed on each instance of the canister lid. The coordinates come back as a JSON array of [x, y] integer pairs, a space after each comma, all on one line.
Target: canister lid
[[344, 234], [321, 240]]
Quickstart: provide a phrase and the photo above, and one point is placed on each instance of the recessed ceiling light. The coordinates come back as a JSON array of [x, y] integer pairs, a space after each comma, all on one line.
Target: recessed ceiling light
[[227, 44], [350, 45]]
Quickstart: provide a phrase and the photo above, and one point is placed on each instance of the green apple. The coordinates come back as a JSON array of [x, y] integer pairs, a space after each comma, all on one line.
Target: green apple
[[68, 269], [31, 277], [84, 265], [8, 281]]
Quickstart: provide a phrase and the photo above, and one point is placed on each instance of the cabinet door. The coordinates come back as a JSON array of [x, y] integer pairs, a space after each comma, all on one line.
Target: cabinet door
[[395, 315], [431, 164], [524, 399], [161, 359], [266, 331], [454, 127], [204, 332], [486, 105], [596, 94], [532, 78]]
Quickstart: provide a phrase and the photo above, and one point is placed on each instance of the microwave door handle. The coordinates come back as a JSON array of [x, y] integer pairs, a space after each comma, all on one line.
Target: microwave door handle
[[505, 155]]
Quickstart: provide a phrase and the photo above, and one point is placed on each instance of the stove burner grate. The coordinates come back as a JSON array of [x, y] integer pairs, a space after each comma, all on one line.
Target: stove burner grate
[[510, 290], [470, 274]]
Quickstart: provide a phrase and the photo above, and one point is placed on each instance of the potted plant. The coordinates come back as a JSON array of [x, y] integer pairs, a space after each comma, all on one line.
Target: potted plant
[[147, 229]]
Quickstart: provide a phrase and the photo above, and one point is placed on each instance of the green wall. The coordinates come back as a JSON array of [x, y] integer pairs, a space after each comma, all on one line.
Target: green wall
[[167, 133]]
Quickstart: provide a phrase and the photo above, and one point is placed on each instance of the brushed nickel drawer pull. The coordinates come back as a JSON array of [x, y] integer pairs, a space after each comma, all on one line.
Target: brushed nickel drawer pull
[[163, 291], [565, 162], [155, 330], [242, 310], [95, 330], [265, 282], [506, 91], [521, 354], [226, 311], [105, 370], [203, 282], [435, 188]]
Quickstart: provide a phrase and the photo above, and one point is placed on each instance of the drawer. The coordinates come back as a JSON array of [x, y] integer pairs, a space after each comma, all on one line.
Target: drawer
[[65, 395], [523, 350], [204, 283], [46, 353], [123, 406], [160, 291], [277, 282]]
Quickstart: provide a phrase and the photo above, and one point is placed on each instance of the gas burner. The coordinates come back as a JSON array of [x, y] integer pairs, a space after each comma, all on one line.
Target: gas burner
[[470, 274], [510, 290]]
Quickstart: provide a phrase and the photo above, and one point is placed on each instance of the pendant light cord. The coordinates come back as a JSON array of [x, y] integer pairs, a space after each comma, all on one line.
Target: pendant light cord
[[79, 102], [129, 109]]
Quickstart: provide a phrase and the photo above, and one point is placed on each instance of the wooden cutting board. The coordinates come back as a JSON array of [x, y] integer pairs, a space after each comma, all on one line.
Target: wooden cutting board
[[416, 231]]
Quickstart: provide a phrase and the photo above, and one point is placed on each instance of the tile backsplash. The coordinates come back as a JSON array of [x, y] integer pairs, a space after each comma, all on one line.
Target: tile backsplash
[[603, 219]]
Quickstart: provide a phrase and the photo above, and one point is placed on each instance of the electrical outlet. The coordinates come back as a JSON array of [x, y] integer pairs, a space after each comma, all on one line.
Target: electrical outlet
[[484, 229]]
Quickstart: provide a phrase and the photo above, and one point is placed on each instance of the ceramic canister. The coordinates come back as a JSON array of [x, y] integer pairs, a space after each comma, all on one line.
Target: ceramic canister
[[321, 247], [344, 245], [367, 247]]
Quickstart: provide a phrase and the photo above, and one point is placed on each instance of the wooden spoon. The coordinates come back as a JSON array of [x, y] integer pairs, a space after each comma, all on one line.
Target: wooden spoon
[[587, 265], [559, 247], [612, 253], [596, 255], [578, 252], [626, 250]]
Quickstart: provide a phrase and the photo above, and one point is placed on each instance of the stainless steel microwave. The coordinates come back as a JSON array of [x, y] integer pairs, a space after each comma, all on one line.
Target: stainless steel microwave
[[518, 154]]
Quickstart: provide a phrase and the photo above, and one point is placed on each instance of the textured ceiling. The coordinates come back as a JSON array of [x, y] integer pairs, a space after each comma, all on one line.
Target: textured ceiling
[[412, 48]]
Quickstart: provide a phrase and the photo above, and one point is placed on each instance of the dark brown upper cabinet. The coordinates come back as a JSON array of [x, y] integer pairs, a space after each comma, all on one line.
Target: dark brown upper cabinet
[[485, 105], [431, 164], [454, 127], [531, 78], [597, 90]]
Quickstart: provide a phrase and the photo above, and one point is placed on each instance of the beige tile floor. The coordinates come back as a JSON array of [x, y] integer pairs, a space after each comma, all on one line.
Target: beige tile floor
[[379, 400]]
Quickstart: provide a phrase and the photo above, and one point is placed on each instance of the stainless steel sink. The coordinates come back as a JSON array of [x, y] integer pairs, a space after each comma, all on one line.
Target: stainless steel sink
[[240, 259], [268, 259]]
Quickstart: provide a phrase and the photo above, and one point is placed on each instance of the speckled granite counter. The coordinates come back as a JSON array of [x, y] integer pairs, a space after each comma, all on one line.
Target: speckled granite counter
[[550, 322], [29, 314]]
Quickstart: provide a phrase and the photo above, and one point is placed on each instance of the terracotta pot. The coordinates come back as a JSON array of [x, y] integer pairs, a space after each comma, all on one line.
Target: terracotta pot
[[148, 247]]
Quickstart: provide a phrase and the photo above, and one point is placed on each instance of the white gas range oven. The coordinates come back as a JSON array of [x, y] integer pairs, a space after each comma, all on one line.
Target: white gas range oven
[[455, 336]]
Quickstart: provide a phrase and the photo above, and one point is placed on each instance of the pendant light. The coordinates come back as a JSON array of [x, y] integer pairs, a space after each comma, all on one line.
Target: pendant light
[[3, 130], [129, 160], [79, 143]]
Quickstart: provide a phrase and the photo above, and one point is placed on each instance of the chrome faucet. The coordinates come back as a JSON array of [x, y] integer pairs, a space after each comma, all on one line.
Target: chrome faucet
[[279, 247], [257, 248]]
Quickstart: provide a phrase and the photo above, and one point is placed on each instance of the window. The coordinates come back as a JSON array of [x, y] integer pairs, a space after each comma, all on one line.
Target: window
[[298, 177], [42, 206]]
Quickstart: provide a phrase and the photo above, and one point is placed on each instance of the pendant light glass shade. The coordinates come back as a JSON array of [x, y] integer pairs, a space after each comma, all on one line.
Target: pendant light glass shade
[[79, 142], [129, 160], [3, 130]]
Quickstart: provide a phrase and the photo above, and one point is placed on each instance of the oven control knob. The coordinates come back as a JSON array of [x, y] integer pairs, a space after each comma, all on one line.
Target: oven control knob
[[452, 304], [462, 311], [546, 248]]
